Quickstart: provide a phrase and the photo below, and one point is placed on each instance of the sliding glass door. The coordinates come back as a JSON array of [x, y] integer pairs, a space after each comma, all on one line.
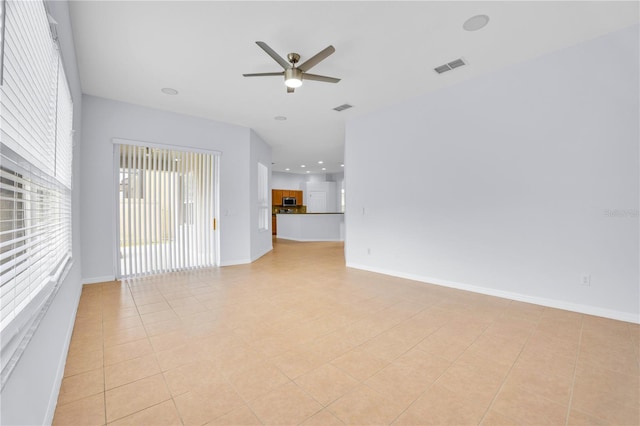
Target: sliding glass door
[[166, 210]]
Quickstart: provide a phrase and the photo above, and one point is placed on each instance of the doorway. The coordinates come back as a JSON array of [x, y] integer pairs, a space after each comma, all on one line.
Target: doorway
[[317, 202], [166, 204]]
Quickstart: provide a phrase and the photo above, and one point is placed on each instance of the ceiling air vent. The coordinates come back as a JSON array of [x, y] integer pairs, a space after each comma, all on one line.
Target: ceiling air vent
[[342, 107], [449, 66]]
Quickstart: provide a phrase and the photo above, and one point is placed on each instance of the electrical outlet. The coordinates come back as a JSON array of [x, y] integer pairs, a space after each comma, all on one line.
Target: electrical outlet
[[586, 279]]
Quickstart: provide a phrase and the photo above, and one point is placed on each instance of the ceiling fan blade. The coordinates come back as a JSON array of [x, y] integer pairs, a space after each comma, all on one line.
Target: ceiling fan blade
[[263, 74], [290, 90], [307, 76], [314, 60], [279, 59]]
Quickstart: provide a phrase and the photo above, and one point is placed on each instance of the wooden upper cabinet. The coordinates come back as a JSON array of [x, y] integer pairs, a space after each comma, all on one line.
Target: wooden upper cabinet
[[277, 194], [276, 197]]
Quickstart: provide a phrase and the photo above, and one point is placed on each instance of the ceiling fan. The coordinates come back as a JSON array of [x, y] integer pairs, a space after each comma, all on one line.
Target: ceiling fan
[[293, 73]]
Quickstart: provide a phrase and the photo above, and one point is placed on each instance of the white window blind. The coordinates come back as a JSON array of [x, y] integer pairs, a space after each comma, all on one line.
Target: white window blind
[[166, 210], [29, 84], [36, 119], [263, 197]]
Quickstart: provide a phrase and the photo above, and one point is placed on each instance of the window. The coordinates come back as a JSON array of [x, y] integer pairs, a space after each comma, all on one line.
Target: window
[[263, 197], [36, 119]]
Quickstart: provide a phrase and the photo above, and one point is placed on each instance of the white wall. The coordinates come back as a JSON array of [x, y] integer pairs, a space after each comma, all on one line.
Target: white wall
[[282, 180], [106, 119], [338, 178], [261, 240], [506, 182], [31, 393]]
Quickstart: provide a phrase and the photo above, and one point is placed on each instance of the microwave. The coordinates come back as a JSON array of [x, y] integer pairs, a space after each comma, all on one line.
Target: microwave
[[288, 201]]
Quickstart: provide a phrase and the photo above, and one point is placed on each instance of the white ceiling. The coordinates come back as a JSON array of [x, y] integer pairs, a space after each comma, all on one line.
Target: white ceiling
[[385, 52]]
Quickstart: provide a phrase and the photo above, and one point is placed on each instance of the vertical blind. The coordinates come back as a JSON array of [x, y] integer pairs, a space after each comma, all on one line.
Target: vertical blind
[[166, 210], [36, 120]]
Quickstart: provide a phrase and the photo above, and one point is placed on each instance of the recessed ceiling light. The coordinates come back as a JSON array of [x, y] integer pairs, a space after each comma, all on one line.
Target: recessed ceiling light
[[303, 166], [320, 162], [169, 91], [287, 169], [308, 171], [324, 168], [341, 165], [279, 118], [476, 22]]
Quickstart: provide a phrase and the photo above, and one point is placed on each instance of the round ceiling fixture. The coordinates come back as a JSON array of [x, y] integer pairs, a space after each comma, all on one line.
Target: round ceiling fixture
[[169, 91], [476, 23]]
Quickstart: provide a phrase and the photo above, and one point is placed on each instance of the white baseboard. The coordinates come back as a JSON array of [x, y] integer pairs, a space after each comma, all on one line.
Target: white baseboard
[[310, 240], [234, 262], [551, 303], [262, 253], [96, 280]]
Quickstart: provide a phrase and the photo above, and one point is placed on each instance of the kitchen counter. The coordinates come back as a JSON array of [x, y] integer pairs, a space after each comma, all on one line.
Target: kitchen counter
[[311, 226], [320, 213]]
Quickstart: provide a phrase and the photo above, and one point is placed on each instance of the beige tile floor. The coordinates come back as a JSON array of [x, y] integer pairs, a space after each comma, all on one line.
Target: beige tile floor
[[297, 338]]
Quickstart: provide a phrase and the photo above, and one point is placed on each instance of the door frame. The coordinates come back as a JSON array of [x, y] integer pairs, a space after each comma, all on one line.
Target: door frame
[[115, 224]]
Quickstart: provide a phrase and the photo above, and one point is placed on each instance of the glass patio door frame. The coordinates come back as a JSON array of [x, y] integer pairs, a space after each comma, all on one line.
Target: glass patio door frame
[[117, 142]]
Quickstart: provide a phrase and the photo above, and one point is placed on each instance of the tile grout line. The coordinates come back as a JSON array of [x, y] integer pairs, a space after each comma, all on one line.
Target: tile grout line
[[441, 374], [155, 353], [104, 375], [575, 370], [143, 378], [506, 376], [161, 372]]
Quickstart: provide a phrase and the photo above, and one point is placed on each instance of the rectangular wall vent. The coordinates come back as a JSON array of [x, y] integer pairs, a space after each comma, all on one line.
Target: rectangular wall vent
[[449, 66], [342, 107]]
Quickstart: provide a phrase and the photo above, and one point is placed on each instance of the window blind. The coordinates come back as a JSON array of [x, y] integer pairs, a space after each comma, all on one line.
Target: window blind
[[29, 85], [166, 210], [36, 119]]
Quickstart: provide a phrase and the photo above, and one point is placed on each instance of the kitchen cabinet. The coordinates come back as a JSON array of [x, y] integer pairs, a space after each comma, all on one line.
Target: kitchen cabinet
[[274, 225], [276, 197], [277, 194]]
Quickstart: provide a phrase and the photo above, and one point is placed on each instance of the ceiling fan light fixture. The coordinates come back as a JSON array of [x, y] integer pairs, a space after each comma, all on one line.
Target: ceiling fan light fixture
[[293, 77]]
